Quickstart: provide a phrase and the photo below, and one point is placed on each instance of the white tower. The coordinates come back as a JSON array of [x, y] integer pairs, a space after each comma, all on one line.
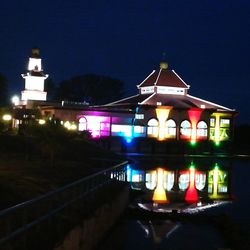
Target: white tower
[[34, 79]]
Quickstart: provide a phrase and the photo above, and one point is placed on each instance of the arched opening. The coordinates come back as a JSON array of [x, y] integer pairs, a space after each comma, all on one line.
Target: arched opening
[[202, 130], [82, 124], [185, 131], [153, 128], [170, 128]]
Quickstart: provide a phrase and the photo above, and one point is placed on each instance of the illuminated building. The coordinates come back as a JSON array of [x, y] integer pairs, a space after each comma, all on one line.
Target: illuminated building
[[34, 79], [163, 110]]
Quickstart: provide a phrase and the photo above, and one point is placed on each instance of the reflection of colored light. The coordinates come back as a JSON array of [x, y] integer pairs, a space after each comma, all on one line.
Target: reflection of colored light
[[191, 194], [215, 173], [217, 129], [160, 193], [162, 115], [194, 116], [128, 173]]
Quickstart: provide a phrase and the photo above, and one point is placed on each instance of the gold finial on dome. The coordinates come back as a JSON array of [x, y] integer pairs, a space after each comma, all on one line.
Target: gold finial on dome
[[35, 52], [163, 65]]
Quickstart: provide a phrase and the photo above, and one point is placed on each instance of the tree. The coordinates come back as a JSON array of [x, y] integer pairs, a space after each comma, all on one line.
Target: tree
[[4, 100], [91, 88], [50, 88]]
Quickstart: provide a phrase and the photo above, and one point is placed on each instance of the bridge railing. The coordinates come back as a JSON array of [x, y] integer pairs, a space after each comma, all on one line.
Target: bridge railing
[[16, 221]]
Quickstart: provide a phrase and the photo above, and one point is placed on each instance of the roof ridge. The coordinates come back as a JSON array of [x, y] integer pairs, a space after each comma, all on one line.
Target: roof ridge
[[212, 103], [147, 98], [146, 78], [188, 86], [158, 77]]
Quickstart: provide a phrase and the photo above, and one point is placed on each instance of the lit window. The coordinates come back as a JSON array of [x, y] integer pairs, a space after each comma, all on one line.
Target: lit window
[[212, 122], [139, 129], [82, 124], [200, 181], [201, 129], [185, 129], [224, 122], [168, 180], [153, 127], [151, 180], [183, 181], [139, 116], [170, 128]]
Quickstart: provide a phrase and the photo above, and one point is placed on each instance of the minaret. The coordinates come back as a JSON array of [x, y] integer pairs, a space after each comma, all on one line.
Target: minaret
[[34, 79]]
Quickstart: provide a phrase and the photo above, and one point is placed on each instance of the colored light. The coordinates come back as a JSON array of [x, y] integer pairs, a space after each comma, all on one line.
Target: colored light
[[159, 195], [191, 194], [194, 116], [217, 143], [128, 140], [193, 142], [162, 114]]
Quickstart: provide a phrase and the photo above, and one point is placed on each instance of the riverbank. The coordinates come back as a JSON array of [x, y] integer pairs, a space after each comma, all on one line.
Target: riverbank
[[26, 172]]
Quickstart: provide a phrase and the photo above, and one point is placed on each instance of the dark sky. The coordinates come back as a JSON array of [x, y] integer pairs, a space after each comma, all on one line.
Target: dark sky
[[206, 42]]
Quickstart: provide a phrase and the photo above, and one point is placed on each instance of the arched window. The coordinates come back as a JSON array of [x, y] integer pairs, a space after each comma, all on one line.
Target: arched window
[[185, 129], [183, 181], [202, 129], [168, 180], [200, 181], [153, 127], [170, 128], [82, 124]]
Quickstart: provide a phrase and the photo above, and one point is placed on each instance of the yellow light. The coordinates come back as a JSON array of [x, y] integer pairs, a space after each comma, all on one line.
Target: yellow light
[[73, 127], [67, 124], [41, 121], [162, 114], [160, 193], [7, 117]]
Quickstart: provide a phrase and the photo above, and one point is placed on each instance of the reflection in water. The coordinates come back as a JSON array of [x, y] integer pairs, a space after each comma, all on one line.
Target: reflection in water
[[187, 184]]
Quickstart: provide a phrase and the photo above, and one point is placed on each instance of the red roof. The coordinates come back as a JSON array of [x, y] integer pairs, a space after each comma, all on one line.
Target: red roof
[[164, 77]]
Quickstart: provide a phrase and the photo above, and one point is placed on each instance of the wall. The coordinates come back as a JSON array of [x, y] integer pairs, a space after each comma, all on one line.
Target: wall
[[92, 230]]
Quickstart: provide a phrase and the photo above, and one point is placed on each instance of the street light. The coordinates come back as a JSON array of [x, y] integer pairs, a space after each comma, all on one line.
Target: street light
[[15, 100]]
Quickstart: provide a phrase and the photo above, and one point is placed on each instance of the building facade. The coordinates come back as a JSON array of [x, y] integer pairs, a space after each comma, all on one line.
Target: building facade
[[163, 109]]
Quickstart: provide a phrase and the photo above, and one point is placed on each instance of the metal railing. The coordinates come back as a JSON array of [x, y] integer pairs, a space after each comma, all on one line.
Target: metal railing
[[16, 221]]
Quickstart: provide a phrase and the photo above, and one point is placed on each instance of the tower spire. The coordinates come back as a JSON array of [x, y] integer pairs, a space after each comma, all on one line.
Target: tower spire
[[34, 78]]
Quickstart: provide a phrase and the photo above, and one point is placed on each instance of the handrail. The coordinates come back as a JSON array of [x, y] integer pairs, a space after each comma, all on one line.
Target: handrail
[[7, 214], [59, 190]]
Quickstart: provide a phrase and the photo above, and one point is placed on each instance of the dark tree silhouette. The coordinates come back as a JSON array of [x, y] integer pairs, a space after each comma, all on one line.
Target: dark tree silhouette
[[50, 88], [91, 88], [4, 100]]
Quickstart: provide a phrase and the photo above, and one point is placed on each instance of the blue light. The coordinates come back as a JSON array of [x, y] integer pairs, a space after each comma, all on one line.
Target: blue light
[[128, 139]]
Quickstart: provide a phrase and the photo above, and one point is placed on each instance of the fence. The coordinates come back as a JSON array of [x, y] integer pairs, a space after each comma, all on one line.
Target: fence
[[22, 226]]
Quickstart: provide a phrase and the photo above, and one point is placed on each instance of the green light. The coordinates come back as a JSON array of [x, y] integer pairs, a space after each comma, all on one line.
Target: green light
[[217, 143], [192, 166], [193, 143], [216, 167]]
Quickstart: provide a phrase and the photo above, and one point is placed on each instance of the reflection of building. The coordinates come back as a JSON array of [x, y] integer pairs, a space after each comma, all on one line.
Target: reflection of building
[[163, 109], [189, 184]]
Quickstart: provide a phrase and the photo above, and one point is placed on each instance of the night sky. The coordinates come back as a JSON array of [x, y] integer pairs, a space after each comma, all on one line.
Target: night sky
[[206, 42]]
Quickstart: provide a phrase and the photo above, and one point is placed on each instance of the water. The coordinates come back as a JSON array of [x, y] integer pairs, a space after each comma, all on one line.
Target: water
[[225, 226]]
